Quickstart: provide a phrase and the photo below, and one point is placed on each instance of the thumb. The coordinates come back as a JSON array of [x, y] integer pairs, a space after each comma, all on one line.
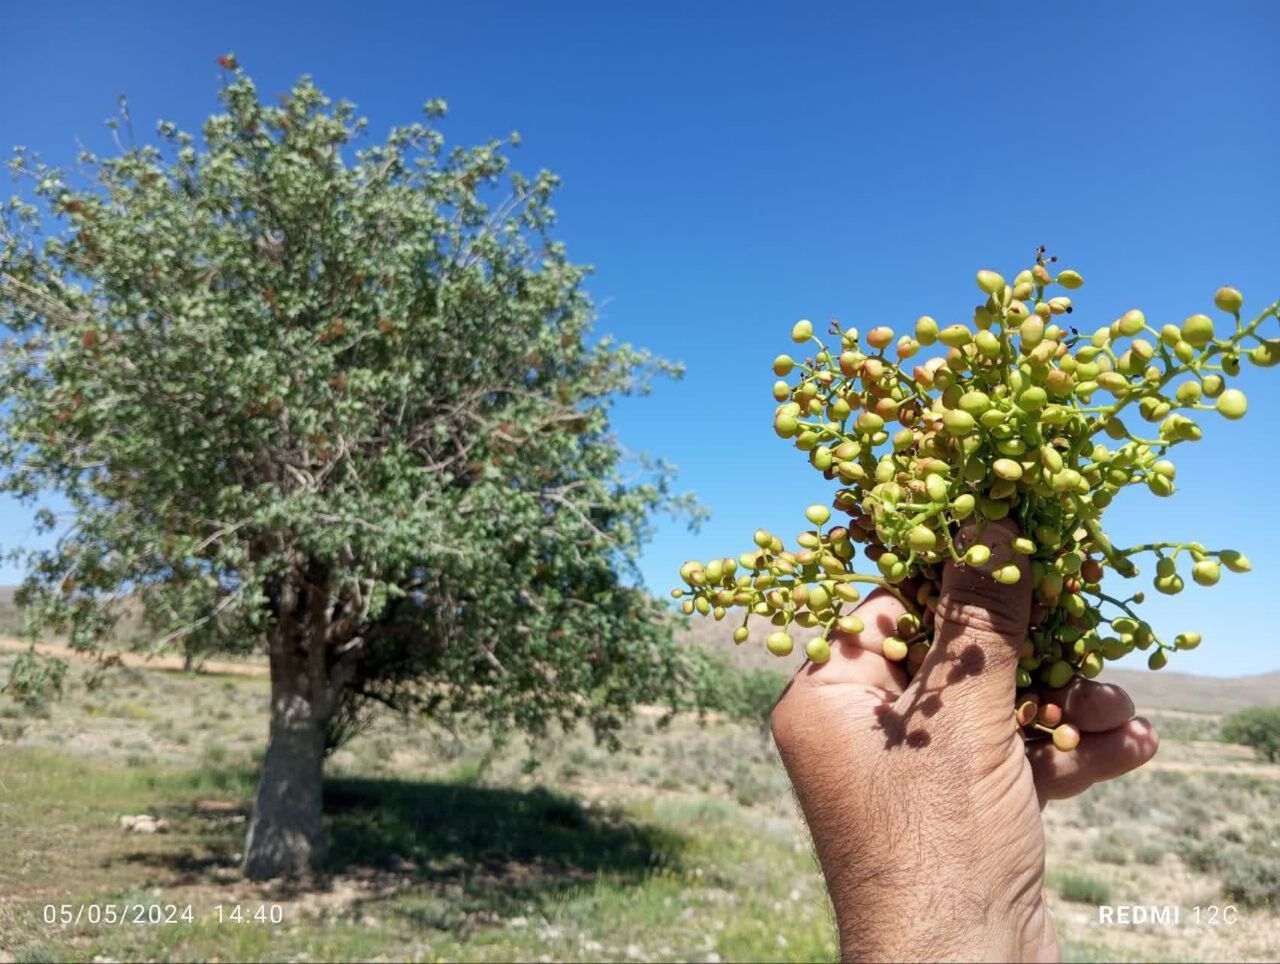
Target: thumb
[[980, 627]]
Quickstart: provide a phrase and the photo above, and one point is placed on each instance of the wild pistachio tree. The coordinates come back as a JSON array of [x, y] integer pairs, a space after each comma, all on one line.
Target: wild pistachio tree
[[341, 405]]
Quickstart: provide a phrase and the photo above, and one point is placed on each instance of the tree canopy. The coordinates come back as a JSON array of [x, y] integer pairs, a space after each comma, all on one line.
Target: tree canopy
[[336, 401]]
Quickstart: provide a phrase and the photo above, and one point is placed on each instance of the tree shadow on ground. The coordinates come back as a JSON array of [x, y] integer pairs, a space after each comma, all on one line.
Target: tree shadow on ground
[[443, 829], [470, 852], [443, 855]]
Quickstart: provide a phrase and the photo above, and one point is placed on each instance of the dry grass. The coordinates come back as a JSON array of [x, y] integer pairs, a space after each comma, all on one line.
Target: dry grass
[[686, 846]]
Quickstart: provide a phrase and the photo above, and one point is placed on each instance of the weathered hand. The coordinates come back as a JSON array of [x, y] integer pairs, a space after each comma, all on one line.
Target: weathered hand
[[921, 795]]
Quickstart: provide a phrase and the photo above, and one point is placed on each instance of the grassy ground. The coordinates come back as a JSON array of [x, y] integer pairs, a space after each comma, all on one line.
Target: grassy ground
[[686, 846]]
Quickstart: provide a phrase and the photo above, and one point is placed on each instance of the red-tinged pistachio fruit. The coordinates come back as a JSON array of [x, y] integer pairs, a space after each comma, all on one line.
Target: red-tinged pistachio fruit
[[1066, 737]]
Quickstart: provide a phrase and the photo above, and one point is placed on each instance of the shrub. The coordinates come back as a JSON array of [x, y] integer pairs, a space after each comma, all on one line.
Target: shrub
[[35, 954], [1200, 857], [1110, 849], [36, 680], [1251, 879], [746, 695], [1083, 889], [1248, 877], [11, 731], [1258, 727], [1149, 854]]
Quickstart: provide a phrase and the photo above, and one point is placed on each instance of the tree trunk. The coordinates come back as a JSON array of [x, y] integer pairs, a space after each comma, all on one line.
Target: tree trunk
[[285, 834]]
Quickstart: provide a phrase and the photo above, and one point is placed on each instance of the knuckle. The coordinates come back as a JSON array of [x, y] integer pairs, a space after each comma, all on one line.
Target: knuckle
[[977, 617], [986, 607]]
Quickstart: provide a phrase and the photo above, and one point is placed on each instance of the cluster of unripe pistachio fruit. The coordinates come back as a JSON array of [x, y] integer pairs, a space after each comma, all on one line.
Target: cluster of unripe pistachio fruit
[[1015, 416]]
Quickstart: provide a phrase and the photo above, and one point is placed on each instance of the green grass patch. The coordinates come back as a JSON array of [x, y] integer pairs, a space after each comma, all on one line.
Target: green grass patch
[[437, 869], [1081, 888]]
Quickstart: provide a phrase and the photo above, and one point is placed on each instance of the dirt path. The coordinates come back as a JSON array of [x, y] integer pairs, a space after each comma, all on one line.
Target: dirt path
[[1177, 714], [1264, 770], [209, 667]]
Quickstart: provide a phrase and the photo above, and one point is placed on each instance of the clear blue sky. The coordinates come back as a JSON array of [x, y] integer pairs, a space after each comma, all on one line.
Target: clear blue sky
[[732, 167]]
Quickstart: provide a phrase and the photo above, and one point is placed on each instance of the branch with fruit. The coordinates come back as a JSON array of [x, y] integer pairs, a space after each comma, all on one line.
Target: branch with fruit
[[1019, 417]]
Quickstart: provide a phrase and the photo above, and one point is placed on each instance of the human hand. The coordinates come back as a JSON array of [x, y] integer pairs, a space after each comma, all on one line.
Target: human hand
[[922, 797]]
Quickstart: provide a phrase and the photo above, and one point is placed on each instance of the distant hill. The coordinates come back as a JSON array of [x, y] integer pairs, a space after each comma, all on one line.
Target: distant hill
[[1150, 691], [1196, 694]]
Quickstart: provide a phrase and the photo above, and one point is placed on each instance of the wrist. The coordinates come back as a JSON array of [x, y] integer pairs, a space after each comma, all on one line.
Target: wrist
[[942, 914]]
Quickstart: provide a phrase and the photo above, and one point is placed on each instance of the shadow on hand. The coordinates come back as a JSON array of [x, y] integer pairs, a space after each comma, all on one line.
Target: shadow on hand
[[922, 701]]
